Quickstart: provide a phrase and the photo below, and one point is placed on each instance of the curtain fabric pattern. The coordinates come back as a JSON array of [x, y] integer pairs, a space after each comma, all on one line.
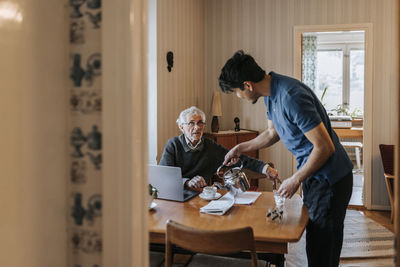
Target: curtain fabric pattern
[[309, 65]]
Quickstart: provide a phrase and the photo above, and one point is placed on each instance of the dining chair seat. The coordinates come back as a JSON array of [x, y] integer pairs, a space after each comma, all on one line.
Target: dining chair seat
[[156, 259], [387, 156], [210, 242], [205, 260]]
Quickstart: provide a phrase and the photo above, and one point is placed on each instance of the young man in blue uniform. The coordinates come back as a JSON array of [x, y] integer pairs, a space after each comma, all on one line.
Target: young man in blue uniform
[[299, 120]]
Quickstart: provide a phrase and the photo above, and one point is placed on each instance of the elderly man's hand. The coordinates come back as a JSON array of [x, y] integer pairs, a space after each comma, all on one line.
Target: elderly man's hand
[[272, 174], [196, 182]]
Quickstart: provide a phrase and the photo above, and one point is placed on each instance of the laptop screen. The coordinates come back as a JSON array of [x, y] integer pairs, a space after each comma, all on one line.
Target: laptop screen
[[169, 183]]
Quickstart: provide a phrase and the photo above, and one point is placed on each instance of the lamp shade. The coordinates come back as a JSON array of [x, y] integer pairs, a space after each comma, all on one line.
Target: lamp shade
[[216, 104]]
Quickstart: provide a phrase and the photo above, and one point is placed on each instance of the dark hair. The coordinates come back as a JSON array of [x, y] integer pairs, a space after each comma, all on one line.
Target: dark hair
[[239, 68]]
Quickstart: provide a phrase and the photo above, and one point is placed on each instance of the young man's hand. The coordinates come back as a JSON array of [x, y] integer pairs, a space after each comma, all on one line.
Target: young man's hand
[[289, 187], [232, 156]]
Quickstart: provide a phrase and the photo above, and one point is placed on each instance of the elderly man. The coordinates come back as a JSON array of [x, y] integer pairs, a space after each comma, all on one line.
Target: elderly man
[[199, 157]]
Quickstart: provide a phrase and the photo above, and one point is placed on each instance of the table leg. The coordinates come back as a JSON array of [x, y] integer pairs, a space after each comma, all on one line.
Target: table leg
[[280, 260], [358, 160]]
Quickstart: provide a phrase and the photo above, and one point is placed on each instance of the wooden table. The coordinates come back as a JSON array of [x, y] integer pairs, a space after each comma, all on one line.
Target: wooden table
[[270, 236], [349, 133]]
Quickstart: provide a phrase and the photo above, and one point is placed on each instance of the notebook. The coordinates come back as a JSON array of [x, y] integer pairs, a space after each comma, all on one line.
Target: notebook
[[168, 181]]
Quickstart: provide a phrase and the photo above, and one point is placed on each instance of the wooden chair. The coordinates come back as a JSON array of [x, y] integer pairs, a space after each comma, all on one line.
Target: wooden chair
[[156, 258], [209, 242], [357, 148], [387, 155]]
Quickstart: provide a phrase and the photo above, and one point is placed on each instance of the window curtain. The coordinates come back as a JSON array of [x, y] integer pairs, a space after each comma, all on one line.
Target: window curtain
[[309, 55]]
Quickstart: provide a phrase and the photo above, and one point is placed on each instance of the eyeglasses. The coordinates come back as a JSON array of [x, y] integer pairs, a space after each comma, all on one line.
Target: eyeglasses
[[191, 124]]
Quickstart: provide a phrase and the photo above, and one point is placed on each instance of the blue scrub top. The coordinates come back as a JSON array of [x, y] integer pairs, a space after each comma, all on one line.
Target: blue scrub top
[[294, 110]]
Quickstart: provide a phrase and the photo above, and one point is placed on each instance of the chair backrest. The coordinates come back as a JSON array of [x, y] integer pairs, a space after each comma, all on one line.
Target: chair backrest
[[387, 155], [209, 241]]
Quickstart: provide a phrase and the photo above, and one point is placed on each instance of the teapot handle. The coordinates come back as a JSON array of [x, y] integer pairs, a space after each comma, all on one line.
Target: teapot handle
[[241, 166]]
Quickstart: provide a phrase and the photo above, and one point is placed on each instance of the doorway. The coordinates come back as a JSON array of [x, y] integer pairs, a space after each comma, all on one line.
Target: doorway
[[334, 61]]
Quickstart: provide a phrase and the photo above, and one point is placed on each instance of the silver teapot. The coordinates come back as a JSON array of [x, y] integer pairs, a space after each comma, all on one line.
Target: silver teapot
[[235, 180]]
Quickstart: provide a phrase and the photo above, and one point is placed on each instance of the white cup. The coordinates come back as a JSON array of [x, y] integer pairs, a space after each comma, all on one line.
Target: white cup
[[209, 191]]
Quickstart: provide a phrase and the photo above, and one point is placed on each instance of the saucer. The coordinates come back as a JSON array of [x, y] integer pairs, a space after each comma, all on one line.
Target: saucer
[[217, 195], [152, 205]]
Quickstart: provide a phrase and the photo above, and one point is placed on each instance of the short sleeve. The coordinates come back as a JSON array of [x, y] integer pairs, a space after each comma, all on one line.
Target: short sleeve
[[300, 107], [266, 102]]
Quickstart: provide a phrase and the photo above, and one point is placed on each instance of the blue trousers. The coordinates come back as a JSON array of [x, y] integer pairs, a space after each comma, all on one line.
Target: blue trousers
[[327, 206]]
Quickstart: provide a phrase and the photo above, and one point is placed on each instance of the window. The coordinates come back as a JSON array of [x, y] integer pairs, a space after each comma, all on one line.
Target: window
[[339, 72], [340, 69], [329, 75]]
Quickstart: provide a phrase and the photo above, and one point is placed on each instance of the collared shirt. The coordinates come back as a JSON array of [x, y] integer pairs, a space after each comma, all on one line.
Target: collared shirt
[[198, 147], [294, 110]]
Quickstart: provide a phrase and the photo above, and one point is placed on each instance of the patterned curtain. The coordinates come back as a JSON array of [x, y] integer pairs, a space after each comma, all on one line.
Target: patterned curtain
[[309, 60]]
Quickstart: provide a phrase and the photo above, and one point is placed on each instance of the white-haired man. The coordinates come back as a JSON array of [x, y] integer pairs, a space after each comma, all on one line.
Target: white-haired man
[[199, 157]]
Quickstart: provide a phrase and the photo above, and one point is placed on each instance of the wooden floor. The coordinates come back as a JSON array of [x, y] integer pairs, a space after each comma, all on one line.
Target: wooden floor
[[381, 217], [357, 195], [356, 202]]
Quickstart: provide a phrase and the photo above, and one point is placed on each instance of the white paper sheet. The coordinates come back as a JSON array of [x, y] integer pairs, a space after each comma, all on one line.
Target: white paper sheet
[[247, 198]]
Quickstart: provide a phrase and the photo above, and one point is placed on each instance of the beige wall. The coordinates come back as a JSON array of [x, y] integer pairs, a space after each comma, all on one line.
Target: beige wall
[[180, 29], [33, 134], [265, 30]]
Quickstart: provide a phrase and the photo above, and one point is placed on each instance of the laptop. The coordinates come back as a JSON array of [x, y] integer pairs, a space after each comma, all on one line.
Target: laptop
[[168, 181]]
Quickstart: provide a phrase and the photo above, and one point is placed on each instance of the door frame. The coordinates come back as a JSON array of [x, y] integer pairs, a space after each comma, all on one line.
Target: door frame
[[124, 123], [298, 30]]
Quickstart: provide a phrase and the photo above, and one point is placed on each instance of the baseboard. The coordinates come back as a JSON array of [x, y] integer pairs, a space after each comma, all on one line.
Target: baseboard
[[380, 207], [356, 207], [374, 207]]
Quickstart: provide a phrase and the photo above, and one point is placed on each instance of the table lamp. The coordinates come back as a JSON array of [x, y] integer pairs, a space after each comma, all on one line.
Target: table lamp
[[215, 111]]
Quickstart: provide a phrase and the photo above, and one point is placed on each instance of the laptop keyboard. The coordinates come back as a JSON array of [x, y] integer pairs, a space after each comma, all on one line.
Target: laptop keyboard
[[188, 194]]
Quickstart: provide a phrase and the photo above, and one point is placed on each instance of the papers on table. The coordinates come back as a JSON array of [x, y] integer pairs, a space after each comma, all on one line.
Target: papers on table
[[220, 206], [247, 197]]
